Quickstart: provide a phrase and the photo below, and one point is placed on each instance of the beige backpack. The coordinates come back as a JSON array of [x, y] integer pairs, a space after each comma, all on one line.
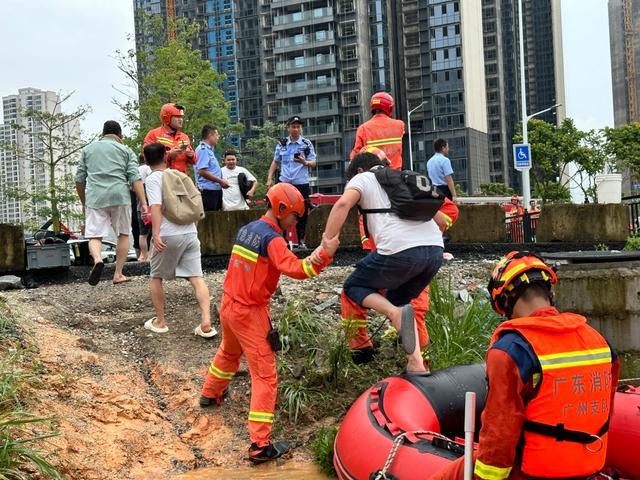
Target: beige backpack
[[181, 200]]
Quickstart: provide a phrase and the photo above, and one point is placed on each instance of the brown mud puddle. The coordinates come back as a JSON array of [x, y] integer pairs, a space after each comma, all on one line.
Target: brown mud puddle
[[286, 471]]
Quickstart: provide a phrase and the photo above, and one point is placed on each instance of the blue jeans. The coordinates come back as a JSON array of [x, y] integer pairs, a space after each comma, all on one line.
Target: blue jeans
[[404, 274]]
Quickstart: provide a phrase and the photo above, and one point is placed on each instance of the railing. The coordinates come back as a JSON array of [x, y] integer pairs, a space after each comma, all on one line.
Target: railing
[[301, 39], [306, 108], [319, 59], [522, 228], [309, 85], [633, 206], [317, 13]]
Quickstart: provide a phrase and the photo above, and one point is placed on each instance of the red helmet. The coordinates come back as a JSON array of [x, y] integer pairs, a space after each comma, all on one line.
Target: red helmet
[[513, 271], [515, 197], [284, 199], [169, 110], [378, 152], [382, 101]]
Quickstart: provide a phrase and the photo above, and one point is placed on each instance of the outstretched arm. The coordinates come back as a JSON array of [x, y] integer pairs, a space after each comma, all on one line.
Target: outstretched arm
[[339, 214]]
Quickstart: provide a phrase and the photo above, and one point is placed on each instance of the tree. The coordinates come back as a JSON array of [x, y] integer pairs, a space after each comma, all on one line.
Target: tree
[[623, 144], [258, 153], [590, 163], [174, 72], [552, 149], [57, 141], [496, 189]]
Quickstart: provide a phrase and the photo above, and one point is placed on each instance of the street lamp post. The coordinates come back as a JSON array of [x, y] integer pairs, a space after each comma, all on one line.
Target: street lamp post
[[409, 122], [526, 183]]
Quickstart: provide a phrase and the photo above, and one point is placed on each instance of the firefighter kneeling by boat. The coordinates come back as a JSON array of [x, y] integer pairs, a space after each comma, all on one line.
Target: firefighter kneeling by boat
[[552, 381]]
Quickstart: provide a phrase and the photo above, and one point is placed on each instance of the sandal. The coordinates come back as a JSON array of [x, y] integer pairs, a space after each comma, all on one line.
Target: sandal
[[150, 326]]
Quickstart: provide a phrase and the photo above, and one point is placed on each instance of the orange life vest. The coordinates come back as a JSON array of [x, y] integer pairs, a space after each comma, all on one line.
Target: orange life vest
[[172, 140], [385, 133], [566, 423]]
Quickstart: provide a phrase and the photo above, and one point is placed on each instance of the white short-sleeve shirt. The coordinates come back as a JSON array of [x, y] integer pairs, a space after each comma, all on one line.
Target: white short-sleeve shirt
[[232, 198], [390, 233], [153, 185]]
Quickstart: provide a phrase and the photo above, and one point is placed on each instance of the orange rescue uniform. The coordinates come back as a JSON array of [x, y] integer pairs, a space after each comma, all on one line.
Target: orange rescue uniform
[[258, 257], [172, 140], [384, 133], [548, 374], [354, 317]]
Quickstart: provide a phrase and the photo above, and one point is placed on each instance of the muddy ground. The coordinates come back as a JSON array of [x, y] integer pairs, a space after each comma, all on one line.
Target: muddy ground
[[125, 400]]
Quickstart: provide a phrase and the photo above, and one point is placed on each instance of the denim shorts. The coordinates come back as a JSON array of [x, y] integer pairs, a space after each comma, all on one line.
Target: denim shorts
[[403, 275]]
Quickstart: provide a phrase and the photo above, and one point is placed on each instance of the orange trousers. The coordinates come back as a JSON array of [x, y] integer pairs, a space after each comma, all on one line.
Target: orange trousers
[[354, 320], [244, 330]]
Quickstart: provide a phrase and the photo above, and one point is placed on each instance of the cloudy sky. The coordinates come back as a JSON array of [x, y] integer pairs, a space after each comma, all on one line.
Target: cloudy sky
[[69, 45]]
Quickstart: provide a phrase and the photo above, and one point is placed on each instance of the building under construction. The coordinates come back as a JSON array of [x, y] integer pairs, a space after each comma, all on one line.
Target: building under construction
[[624, 33]]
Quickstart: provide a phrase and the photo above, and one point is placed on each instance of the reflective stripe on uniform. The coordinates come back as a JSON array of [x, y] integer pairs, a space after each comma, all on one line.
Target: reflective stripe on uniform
[[489, 472], [165, 141], [447, 219], [384, 141], [264, 417], [354, 322], [308, 268], [575, 359], [221, 374], [245, 253]]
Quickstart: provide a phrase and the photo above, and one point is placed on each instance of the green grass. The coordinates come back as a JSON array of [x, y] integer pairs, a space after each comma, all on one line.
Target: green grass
[[459, 332], [20, 431], [633, 243], [322, 447]]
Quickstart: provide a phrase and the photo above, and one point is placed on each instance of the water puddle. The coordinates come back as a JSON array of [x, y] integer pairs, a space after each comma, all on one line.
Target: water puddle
[[286, 471]]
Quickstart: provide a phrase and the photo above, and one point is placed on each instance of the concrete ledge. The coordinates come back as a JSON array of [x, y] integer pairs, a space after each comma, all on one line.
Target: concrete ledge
[[12, 250], [583, 223], [218, 230], [479, 223], [349, 236]]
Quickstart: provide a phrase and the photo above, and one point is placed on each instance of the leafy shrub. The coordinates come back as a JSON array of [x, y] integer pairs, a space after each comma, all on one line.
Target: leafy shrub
[[633, 243], [322, 447]]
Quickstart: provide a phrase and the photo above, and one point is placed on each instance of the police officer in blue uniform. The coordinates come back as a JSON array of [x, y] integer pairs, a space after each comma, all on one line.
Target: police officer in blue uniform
[[295, 155]]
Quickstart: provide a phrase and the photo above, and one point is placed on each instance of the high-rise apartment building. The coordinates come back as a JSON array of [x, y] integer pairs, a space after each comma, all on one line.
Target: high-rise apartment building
[[17, 170], [544, 72], [458, 61], [624, 25]]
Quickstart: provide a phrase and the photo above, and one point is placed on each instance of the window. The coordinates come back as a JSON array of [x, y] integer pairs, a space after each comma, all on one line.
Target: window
[[457, 29], [346, 6], [446, 76], [413, 61], [458, 52], [445, 31], [434, 55], [349, 76], [446, 54], [298, 62], [411, 39], [414, 84], [443, 9], [349, 52], [352, 121], [456, 7], [348, 29]]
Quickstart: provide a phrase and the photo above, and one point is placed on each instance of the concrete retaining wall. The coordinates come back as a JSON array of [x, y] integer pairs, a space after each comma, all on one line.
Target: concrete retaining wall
[[608, 294], [583, 223], [11, 248], [218, 230], [479, 223]]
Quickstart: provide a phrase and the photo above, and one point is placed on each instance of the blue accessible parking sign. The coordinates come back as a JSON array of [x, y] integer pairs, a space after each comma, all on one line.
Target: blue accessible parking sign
[[521, 156]]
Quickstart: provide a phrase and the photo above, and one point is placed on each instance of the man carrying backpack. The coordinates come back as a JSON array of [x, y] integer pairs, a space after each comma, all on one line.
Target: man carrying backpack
[[408, 252], [176, 248]]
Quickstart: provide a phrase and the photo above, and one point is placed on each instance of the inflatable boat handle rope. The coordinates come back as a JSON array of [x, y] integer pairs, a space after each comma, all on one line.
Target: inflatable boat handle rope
[[382, 474]]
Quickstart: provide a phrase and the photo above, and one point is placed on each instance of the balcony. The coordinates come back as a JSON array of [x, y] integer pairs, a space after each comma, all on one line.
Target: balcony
[[326, 129], [307, 87], [306, 64], [300, 19], [306, 109], [303, 41]]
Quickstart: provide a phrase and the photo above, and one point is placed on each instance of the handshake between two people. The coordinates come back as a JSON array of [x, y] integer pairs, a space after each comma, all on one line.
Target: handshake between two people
[[328, 247]]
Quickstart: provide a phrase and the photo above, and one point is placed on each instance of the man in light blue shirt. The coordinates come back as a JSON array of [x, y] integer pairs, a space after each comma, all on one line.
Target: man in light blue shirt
[[440, 171], [295, 155], [207, 170]]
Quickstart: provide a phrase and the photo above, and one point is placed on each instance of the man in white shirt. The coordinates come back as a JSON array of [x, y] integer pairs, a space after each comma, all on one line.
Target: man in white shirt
[[175, 252], [232, 197], [408, 255]]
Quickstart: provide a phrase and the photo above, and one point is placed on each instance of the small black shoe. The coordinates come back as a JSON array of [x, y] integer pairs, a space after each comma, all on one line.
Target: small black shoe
[[270, 452], [215, 401], [363, 355], [96, 272]]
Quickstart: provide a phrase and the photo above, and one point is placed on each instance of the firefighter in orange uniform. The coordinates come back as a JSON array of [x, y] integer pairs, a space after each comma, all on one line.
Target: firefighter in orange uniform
[[354, 315], [381, 131], [180, 153], [552, 381], [258, 257]]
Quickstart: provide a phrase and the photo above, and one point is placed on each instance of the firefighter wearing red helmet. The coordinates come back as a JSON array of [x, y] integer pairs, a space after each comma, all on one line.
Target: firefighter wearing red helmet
[[552, 380], [258, 258], [381, 131], [179, 152]]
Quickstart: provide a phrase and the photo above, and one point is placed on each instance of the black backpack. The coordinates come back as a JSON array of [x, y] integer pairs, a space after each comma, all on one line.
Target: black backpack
[[411, 195]]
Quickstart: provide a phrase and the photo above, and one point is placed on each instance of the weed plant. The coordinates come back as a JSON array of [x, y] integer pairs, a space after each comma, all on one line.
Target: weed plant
[[633, 243], [322, 447], [18, 459], [459, 331]]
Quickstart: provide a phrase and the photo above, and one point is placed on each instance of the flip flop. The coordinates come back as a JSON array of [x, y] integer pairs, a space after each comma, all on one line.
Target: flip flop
[[407, 329], [121, 281], [96, 272], [150, 326], [210, 334]]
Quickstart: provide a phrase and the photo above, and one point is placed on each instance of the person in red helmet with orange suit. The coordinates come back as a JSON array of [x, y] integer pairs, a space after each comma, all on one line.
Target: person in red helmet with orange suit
[[552, 379], [381, 131], [179, 152], [258, 258]]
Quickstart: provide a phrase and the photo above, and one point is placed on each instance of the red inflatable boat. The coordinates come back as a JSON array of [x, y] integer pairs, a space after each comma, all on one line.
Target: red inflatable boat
[[399, 406]]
